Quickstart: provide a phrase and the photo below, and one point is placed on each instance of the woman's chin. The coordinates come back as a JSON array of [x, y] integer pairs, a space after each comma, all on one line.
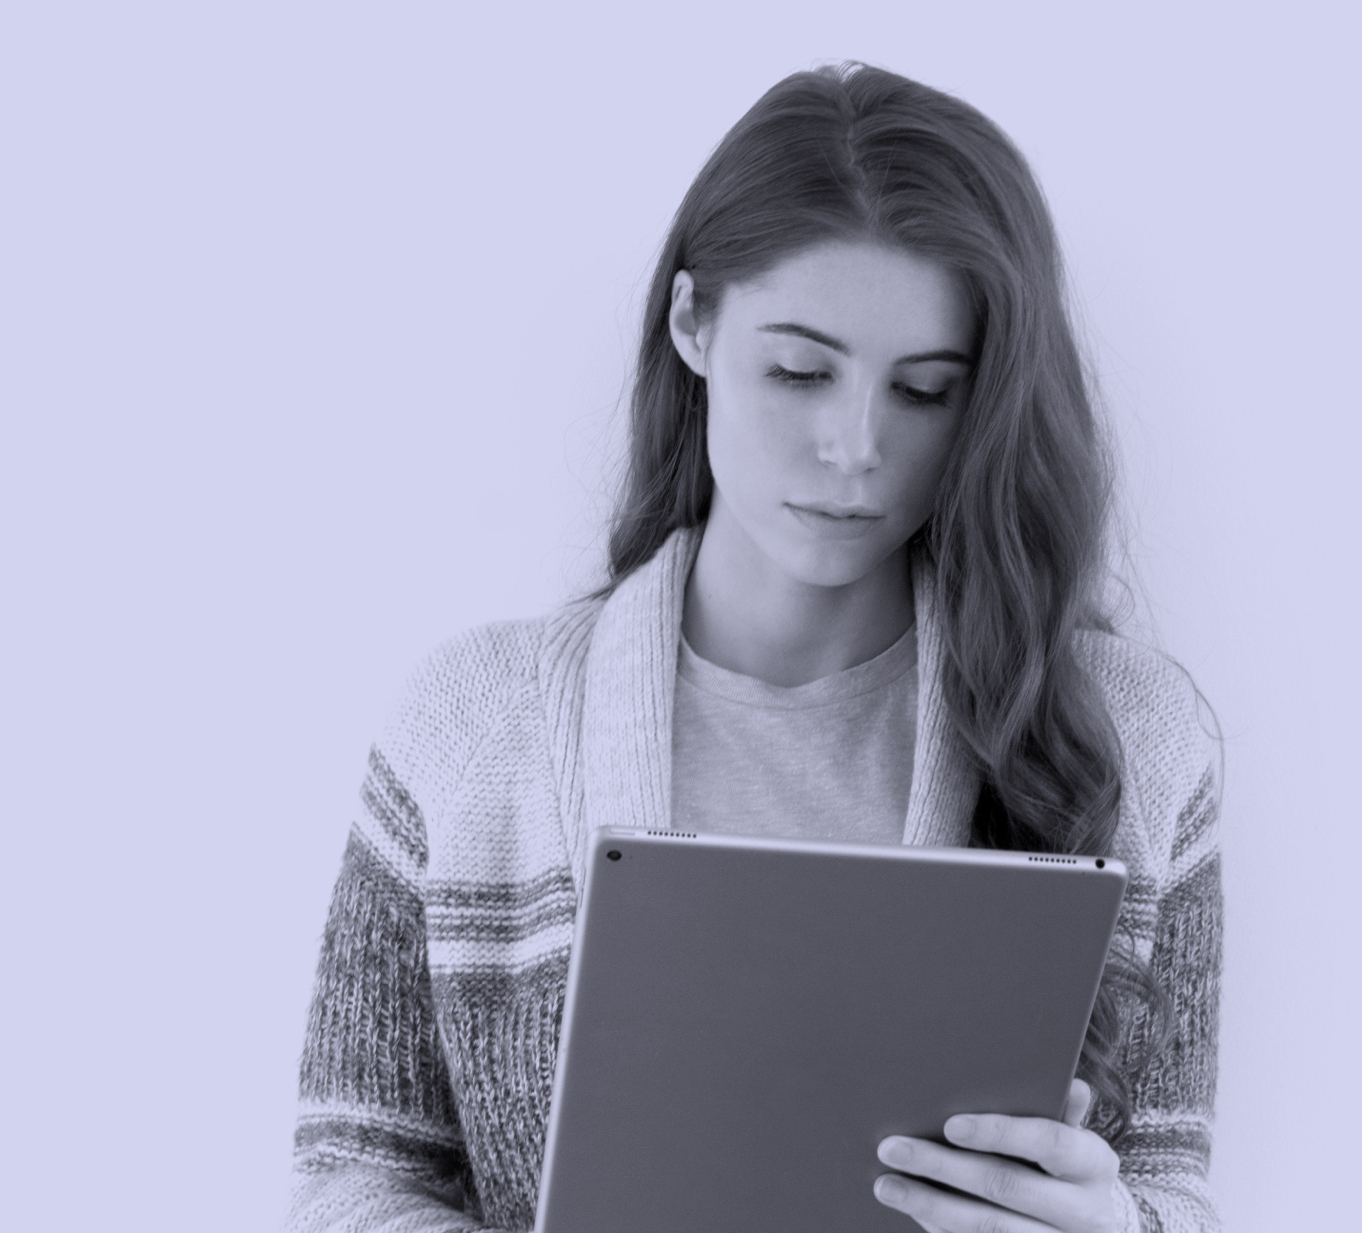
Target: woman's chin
[[835, 564]]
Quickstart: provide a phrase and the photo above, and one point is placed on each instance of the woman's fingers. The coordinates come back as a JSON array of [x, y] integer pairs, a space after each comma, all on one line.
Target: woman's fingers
[[991, 1189], [1063, 1151], [1001, 1183], [937, 1209]]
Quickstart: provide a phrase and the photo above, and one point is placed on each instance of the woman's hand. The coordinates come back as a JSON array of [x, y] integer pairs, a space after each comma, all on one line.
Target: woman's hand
[[1073, 1194]]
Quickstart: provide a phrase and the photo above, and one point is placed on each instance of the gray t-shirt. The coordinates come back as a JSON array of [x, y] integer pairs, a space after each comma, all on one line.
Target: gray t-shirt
[[832, 759]]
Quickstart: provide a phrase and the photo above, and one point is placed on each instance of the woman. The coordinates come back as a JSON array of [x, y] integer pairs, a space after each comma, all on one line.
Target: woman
[[854, 580]]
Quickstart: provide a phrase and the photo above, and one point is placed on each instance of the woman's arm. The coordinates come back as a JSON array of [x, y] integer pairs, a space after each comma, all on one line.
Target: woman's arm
[[378, 1143], [1166, 1152]]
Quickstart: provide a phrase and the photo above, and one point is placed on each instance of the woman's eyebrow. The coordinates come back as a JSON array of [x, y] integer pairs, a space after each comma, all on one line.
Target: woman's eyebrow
[[804, 331], [826, 340]]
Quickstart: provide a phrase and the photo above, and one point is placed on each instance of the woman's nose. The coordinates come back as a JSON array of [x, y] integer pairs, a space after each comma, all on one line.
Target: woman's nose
[[849, 433]]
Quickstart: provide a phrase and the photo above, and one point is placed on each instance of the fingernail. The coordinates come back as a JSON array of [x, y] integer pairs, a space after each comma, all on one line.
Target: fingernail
[[888, 1189], [896, 1152], [961, 1126]]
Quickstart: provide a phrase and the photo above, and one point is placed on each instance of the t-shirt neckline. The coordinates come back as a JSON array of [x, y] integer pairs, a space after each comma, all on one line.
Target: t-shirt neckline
[[874, 674]]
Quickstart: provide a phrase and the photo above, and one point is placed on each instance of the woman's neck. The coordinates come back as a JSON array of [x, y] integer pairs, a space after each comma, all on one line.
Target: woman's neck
[[743, 613]]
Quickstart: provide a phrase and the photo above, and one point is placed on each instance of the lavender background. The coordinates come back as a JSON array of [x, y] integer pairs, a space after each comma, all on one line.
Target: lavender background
[[313, 322]]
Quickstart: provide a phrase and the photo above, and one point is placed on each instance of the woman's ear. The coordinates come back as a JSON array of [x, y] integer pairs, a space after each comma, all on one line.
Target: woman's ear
[[686, 332]]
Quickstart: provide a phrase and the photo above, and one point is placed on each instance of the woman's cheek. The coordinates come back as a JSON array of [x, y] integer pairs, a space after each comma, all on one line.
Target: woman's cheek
[[750, 444], [924, 453]]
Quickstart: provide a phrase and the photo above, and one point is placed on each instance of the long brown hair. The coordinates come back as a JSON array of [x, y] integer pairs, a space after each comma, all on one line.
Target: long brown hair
[[1017, 529]]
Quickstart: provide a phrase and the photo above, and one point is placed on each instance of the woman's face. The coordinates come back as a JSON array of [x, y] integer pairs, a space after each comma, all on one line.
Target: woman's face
[[834, 382]]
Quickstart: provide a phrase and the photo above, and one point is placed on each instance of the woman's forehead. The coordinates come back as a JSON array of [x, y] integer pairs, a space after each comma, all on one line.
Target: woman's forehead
[[854, 292]]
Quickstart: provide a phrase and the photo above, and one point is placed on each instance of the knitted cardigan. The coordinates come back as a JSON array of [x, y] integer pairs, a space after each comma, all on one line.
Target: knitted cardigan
[[431, 1041]]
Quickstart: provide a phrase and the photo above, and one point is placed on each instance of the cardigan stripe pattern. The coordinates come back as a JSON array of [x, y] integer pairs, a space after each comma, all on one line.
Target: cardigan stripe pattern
[[432, 1036]]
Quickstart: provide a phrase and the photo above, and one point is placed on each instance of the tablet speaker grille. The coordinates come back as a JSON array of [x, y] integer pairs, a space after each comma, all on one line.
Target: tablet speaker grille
[[1053, 860], [672, 834]]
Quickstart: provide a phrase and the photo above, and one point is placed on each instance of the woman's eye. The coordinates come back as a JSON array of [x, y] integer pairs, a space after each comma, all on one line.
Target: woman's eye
[[792, 376], [910, 394], [925, 398]]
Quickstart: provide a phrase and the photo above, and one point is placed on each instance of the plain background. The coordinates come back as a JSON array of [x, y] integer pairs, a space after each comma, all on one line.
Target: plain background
[[314, 319]]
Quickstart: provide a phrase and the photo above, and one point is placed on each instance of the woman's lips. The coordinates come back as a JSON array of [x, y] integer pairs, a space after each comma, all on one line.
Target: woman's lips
[[837, 522]]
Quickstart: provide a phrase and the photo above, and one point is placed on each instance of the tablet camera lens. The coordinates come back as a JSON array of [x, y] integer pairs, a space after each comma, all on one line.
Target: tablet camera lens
[[612, 855], [1101, 864]]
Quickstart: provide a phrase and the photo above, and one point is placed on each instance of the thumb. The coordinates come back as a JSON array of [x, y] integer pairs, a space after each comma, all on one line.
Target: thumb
[[1076, 1107]]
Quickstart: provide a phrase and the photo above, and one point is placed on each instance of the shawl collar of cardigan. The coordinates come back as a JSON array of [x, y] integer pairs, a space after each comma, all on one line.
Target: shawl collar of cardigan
[[630, 686]]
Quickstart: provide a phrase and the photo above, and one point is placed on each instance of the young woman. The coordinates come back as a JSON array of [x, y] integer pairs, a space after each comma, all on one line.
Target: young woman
[[854, 592]]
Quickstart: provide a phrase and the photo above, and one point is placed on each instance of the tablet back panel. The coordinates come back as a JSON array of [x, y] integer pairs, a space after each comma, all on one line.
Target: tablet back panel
[[746, 1019]]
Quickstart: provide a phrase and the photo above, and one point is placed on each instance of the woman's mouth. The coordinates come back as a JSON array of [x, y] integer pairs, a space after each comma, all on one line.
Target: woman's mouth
[[837, 521]]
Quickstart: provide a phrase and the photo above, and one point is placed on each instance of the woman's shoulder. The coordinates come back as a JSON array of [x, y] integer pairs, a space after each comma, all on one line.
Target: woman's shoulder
[[1139, 681], [1170, 750], [473, 681], [484, 662]]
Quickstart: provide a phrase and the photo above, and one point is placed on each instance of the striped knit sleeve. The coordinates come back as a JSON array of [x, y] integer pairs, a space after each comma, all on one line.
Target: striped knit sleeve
[[378, 1144], [1165, 1153]]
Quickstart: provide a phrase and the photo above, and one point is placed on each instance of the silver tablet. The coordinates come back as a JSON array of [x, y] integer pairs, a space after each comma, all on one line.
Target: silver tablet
[[747, 1018]]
